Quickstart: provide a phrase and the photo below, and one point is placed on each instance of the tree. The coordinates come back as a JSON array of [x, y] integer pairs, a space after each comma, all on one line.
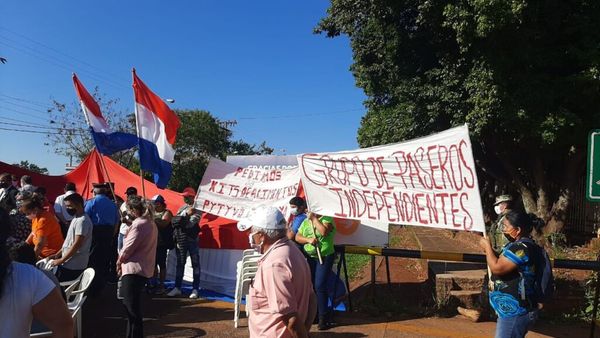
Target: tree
[[525, 76], [200, 137], [75, 140], [32, 167], [240, 147]]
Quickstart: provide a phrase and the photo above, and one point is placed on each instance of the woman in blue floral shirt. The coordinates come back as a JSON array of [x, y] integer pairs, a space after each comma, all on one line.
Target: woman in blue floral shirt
[[513, 276]]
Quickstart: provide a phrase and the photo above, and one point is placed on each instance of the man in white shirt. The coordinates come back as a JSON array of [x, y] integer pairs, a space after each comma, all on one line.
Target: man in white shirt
[[60, 210]]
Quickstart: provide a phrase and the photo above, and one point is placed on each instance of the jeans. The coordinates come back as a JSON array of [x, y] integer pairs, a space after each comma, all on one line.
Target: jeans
[[515, 327], [120, 240], [320, 275], [182, 250], [66, 275], [100, 256], [131, 291]]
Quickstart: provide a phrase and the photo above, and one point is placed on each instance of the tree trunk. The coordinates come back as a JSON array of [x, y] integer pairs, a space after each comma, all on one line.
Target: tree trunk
[[529, 201]]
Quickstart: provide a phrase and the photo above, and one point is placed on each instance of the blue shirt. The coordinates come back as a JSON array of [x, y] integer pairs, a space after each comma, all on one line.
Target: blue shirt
[[298, 219], [510, 289], [102, 211]]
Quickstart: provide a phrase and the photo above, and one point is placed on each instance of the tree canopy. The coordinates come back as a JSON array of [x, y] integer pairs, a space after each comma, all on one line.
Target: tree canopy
[[32, 167], [524, 74]]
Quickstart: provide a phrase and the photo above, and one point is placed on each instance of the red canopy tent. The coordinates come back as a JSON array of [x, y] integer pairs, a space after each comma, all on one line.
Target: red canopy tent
[[216, 232]]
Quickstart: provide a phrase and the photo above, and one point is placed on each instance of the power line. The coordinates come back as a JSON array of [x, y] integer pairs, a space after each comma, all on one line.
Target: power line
[[32, 131], [62, 65], [41, 127], [298, 115], [23, 106], [62, 53], [46, 114], [100, 77], [35, 103], [26, 114]]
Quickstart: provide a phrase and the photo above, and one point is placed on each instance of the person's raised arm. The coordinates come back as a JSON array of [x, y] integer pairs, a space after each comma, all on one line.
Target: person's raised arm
[[498, 265], [324, 228]]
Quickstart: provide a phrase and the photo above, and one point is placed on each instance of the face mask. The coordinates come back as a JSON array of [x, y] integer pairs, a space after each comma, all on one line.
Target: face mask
[[498, 210], [30, 216], [255, 246], [294, 211], [508, 235], [71, 211], [15, 183]]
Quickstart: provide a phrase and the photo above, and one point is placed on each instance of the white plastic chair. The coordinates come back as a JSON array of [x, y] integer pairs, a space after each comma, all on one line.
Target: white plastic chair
[[246, 270], [78, 297]]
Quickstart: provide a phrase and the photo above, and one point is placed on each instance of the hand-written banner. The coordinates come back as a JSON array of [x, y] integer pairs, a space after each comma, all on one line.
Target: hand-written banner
[[430, 181], [232, 192]]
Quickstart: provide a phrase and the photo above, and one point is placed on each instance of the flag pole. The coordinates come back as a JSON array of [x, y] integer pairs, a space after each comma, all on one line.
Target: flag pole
[[143, 185], [137, 129], [110, 186]]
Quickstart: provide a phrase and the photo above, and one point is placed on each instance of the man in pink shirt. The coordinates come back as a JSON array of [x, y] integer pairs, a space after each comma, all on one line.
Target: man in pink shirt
[[282, 301]]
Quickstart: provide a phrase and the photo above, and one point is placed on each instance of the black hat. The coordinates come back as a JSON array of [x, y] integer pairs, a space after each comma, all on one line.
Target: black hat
[[100, 185], [131, 191]]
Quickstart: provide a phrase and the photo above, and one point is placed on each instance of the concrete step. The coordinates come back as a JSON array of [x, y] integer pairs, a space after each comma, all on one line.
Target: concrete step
[[459, 288], [466, 299]]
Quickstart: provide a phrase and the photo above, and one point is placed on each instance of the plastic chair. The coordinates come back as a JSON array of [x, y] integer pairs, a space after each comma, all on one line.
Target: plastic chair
[[245, 273], [79, 297]]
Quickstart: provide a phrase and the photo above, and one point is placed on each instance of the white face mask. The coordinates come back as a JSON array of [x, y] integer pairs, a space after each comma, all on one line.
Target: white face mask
[[294, 211], [498, 209], [256, 246]]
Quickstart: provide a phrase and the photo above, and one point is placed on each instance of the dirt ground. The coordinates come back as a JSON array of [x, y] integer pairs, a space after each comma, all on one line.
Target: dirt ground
[[402, 309]]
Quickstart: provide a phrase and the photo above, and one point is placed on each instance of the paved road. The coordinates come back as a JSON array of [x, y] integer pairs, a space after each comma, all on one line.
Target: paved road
[[186, 318]]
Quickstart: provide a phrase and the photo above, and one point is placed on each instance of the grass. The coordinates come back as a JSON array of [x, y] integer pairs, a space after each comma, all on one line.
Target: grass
[[355, 264]]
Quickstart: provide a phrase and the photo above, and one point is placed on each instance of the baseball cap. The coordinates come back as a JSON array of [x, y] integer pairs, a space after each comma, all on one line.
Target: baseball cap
[[267, 218], [502, 198], [131, 191], [158, 199], [188, 192]]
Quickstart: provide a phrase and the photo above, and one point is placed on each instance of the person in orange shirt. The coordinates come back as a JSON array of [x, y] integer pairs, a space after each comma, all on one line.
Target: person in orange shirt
[[46, 236]]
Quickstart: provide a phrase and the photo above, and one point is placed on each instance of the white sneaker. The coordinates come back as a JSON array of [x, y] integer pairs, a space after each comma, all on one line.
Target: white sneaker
[[194, 294], [173, 293]]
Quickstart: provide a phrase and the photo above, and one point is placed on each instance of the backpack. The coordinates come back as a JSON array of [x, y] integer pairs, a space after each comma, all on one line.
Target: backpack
[[544, 279]]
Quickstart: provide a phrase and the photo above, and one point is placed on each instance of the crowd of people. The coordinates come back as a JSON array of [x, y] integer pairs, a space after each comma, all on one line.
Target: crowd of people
[[125, 242]]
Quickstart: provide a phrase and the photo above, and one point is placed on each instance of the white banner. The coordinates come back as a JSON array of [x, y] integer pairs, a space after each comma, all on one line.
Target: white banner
[[429, 181], [347, 231], [232, 192]]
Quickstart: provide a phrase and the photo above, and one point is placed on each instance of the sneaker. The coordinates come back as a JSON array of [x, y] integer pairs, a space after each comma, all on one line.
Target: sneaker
[[160, 289], [323, 324], [194, 294], [175, 292]]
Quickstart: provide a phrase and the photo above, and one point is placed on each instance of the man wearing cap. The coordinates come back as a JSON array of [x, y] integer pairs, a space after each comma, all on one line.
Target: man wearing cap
[[126, 219], [104, 215], [502, 206], [60, 209], [162, 219], [185, 233], [281, 294]]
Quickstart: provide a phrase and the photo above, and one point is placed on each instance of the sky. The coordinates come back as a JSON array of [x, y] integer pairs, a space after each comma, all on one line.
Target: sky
[[256, 62]]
